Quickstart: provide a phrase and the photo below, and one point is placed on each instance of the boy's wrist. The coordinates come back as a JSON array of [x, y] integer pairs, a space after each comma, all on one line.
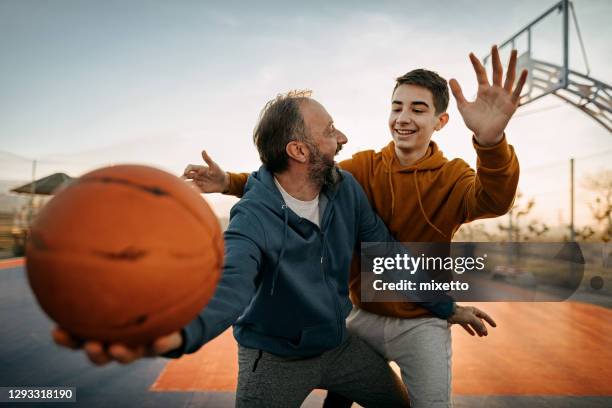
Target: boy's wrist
[[485, 142], [226, 183], [495, 156]]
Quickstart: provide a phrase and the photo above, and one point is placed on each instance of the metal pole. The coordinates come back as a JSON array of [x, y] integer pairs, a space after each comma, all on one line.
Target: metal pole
[[565, 43], [32, 191], [571, 227]]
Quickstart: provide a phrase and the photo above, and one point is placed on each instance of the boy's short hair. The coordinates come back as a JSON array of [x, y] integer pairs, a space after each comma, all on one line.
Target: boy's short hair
[[429, 80]]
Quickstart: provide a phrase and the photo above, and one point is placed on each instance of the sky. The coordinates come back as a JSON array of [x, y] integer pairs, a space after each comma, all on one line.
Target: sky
[[88, 83]]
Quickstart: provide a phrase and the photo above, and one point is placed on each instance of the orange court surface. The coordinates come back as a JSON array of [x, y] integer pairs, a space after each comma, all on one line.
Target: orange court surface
[[538, 349]]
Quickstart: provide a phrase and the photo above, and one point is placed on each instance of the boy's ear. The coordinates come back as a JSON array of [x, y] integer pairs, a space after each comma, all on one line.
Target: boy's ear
[[442, 121]]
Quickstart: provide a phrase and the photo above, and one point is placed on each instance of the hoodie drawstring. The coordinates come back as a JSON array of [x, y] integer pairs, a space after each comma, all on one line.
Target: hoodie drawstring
[[392, 192], [416, 185], [282, 252]]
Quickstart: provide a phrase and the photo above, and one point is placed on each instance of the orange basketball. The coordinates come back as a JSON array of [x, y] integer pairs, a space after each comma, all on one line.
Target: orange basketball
[[124, 254]]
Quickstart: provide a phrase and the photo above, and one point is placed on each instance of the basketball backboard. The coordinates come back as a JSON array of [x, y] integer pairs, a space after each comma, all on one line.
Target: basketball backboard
[[542, 47]]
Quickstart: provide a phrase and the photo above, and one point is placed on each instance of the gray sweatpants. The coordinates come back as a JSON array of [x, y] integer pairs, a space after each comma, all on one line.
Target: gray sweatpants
[[352, 369], [420, 347]]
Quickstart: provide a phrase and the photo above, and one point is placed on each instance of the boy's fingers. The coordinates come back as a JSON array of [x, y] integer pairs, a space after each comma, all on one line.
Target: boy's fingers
[[498, 70], [481, 74], [516, 95], [457, 92], [208, 160], [511, 73], [193, 168]]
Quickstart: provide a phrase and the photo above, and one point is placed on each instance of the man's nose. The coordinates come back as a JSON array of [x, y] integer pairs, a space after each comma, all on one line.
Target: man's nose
[[342, 139]]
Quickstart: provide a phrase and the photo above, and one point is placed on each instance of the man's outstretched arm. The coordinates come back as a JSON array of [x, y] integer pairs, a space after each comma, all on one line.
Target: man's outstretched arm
[[244, 244]]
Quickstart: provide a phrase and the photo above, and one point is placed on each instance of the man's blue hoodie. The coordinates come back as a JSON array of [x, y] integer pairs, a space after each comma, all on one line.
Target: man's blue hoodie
[[285, 280]]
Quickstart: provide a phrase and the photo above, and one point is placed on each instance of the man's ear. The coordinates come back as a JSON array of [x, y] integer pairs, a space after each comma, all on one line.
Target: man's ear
[[442, 121], [297, 151]]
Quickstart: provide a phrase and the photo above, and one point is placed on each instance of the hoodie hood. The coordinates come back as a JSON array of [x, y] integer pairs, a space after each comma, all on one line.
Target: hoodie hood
[[431, 161], [261, 183]]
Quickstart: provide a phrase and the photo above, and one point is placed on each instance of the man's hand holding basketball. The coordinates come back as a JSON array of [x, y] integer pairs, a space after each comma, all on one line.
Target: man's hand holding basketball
[[101, 355], [488, 115]]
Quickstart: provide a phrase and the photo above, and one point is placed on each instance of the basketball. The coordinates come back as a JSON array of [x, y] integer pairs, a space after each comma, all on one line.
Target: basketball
[[124, 254]]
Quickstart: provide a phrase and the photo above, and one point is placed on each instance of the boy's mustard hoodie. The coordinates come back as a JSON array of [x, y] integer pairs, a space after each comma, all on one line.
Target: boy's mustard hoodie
[[426, 201]]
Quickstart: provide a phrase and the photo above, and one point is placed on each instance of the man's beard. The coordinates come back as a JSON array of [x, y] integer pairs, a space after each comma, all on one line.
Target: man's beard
[[322, 171]]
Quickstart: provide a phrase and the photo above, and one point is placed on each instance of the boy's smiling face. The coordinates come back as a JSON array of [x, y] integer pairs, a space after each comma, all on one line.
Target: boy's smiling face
[[413, 118]]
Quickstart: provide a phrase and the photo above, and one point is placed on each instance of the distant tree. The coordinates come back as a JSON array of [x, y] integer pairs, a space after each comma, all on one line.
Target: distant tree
[[601, 207], [535, 230], [585, 233], [475, 233], [521, 229]]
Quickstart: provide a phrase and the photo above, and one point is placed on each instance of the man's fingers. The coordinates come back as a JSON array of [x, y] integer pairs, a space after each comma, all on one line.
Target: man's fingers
[[481, 74], [478, 326], [64, 339], [457, 92], [511, 73], [516, 95], [467, 328], [482, 315], [96, 353], [126, 355], [167, 343], [498, 69]]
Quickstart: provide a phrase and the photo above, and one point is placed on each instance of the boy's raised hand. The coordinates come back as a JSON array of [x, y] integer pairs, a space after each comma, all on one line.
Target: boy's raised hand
[[488, 115]]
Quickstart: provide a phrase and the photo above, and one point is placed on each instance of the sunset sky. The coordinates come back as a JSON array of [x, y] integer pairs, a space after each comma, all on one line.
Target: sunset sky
[[86, 84]]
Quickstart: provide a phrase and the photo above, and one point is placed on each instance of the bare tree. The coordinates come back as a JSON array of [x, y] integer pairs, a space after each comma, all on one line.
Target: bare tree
[[521, 229], [601, 207], [474, 233]]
